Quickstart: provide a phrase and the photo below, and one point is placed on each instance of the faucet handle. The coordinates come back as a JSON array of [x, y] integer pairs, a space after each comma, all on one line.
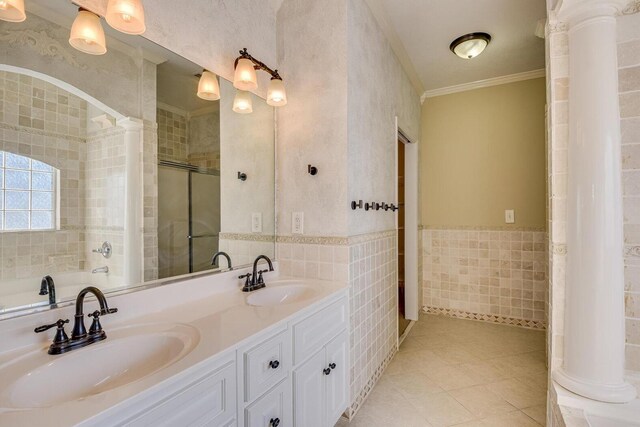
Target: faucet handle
[[60, 324], [61, 335]]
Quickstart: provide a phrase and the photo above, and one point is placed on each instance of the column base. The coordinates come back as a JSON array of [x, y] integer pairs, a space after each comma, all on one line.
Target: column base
[[618, 393]]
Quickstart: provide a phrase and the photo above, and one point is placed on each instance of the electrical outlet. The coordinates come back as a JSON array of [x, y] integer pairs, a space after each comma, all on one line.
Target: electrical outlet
[[509, 216], [256, 222], [297, 223]]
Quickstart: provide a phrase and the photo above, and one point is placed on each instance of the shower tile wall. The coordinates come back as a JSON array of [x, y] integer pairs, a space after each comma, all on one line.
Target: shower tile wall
[[41, 121], [629, 86], [172, 136], [150, 202], [498, 276]]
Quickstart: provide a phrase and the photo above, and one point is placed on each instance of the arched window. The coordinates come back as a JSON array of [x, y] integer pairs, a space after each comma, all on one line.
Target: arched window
[[28, 199]]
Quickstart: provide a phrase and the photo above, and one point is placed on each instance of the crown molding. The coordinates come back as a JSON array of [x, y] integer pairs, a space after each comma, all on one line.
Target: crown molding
[[495, 81]]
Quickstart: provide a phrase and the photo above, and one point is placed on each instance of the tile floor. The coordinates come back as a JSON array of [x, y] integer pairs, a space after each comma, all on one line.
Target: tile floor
[[455, 372]]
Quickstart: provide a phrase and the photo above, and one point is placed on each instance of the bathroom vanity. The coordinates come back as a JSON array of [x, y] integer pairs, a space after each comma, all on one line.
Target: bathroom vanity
[[194, 352]]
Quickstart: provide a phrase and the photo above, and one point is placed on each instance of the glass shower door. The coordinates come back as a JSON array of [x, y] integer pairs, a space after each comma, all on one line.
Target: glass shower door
[[204, 213]]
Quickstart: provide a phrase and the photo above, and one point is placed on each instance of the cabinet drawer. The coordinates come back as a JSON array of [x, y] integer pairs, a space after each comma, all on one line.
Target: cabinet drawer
[[210, 401], [274, 408], [314, 332], [265, 365]]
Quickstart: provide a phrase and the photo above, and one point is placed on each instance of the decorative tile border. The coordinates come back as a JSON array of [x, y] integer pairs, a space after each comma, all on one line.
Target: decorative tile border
[[632, 251], [479, 228], [40, 132], [633, 7], [247, 237], [532, 324], [314, 240], [360, 399], [363, 238]]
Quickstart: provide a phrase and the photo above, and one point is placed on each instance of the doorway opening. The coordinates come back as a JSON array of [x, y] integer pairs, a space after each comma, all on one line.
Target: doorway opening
[[403, 322]]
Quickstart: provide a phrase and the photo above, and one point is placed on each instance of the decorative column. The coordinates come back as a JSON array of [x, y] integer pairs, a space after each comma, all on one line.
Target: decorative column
[[594, 319], [133, 250]]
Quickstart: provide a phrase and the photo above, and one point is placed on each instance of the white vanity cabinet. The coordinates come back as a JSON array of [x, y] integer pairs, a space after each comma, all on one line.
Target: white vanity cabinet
[[309, 384]]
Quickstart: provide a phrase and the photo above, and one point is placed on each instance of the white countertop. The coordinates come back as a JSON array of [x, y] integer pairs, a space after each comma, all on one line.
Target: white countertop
[[214, 305]]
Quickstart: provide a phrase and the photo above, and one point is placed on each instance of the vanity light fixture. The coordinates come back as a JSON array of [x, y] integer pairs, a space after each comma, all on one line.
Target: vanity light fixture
[[126, 16], [245, 79], [87, 34], [470, 45], [12, 10], [242, 102], [208, 88]]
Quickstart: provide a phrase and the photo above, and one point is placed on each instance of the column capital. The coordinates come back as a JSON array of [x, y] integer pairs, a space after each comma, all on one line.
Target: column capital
[[130, 123], [576, 11]]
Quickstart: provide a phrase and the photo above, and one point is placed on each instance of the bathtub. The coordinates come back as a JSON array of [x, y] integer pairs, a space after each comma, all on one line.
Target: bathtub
[[24, 293]]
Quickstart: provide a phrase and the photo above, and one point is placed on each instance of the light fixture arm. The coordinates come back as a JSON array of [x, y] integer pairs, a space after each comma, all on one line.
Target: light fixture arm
[[258, 65]]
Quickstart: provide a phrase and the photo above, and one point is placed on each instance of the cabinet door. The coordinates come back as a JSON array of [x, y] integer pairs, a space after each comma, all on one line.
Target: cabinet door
[[336, 382], [271, 410], [308, 392]]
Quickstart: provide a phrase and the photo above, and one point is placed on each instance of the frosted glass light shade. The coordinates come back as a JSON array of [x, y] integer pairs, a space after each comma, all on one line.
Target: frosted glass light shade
[[126, 16], [245, 75], [208, 88], [12, 10], [242, 102], [87, 34], [470, 45], [276, 95]]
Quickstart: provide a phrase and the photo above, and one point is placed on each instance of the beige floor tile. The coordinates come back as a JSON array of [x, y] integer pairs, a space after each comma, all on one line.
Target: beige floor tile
[[511, 419], [481, 401], [414, 384], [517, 393], [452, 377], [440, 409], [538, 413], [455, 354]]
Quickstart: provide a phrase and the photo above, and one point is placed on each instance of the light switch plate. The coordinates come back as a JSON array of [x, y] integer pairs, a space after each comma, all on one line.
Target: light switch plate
[[256, 222], [509, 216], [297, 223]]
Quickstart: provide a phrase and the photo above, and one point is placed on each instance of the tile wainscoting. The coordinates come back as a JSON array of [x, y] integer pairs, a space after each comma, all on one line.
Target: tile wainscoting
[[494, 275], [369, 263], [244, 246]]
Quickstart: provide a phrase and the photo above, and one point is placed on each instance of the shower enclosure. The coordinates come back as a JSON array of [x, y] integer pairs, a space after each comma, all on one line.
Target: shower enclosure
[[188, 218]]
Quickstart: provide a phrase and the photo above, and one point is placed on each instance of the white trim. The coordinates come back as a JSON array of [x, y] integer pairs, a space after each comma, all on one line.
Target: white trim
[[405, 334], [494, 81], [411, 285]]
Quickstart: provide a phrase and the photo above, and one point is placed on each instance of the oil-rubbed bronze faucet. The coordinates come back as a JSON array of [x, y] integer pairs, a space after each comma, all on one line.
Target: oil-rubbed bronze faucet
[[214, 260], [254, 280], [48, 287], [79, 337]]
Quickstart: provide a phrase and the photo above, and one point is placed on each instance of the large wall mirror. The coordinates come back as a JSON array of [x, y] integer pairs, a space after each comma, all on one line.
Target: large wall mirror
[[113, 172]]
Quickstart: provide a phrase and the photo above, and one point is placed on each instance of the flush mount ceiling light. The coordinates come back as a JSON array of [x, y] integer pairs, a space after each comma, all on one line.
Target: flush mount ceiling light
[[208, 88], [87, 34], [470, 45], [245, 79], [126, 16], [12, 10]]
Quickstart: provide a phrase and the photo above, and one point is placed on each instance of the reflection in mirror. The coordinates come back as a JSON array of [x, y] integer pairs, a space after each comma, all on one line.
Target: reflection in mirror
[[118, 151]]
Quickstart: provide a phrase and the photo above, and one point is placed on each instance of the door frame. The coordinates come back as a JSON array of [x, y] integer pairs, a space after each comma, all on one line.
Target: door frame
[[411, 285]]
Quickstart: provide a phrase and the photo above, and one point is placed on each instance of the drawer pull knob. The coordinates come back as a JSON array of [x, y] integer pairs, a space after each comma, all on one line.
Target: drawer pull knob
[[332, 365], [274, 422], [326, 371], [274, 364]]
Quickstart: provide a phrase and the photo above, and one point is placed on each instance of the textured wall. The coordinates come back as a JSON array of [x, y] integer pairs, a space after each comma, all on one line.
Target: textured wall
[[378, 91], [312, 128], [483, 151]]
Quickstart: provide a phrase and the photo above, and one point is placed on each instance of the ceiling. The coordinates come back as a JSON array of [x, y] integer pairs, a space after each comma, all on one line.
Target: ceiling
[[420, 32]]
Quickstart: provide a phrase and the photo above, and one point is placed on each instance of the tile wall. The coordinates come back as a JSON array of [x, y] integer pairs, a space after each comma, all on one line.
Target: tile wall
[[41, 121], [368, 262], [172, 136], [493, 275], [629, 87]]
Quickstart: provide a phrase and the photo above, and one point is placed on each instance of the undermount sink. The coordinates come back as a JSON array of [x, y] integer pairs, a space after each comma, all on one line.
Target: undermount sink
[[37, 380], [279, 293]]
